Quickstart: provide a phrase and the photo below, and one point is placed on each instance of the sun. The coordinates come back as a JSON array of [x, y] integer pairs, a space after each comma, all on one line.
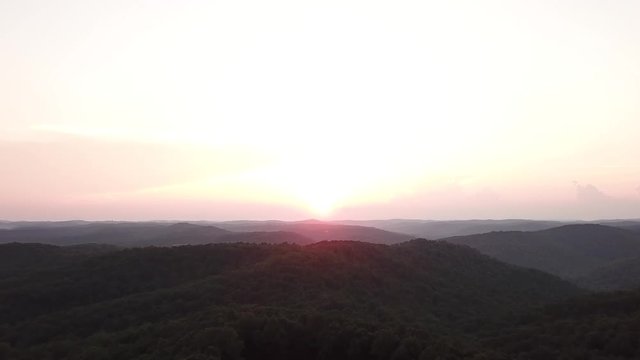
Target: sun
[[321, 206], [320, 189], [320, 195], [326, 174]]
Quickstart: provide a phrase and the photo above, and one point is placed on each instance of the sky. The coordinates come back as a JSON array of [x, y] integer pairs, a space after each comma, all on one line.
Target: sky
[[219, 110]]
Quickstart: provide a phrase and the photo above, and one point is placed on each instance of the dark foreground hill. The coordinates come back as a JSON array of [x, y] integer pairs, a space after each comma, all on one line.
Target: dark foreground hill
[[330, 300], [568, 251], [599, 327]]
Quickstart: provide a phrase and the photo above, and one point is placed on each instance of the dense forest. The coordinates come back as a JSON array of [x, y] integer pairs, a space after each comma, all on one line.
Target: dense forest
[[597, 326], [325, 300], [418, 299]]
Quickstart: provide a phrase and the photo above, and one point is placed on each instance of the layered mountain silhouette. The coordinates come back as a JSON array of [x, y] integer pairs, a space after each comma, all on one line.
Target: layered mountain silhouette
[[432, 229], [121, 234], [438, 229], [169, 234], [280, 290]]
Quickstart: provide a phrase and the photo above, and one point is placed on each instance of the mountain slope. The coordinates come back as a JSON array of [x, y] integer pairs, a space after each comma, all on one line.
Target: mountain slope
[[619, 275], [567, 251]]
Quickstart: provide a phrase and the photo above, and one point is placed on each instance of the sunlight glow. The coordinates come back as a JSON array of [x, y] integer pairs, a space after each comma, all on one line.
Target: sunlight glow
[[319, 105]]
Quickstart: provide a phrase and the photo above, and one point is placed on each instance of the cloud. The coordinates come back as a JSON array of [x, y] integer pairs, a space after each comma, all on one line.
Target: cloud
[[593, 203], [590, 194]]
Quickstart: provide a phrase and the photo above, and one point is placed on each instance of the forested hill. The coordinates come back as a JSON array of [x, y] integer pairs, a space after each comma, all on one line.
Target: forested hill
[[329, 300], [600, 327], [568, 251], [120, 234]]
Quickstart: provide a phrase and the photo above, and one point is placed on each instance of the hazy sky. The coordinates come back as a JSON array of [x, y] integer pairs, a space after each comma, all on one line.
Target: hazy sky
[[335, 109]]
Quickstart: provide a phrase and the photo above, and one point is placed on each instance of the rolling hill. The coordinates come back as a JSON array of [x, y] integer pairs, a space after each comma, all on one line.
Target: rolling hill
[[120, 234], [130, 234], [568, 251], [437, 229], [337, 300]]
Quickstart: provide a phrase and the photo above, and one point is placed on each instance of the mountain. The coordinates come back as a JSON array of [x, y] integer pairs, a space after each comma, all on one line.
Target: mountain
[[121, 234], [433, 229], [439, 229], [169, 234], [46, 224], [320, 231], [139, 234], [175, 233], [568, 251], [629, 224], [618, 275], [328, 300]]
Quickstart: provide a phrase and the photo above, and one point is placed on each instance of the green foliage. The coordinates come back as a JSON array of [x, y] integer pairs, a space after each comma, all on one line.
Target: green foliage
[[329, 300]]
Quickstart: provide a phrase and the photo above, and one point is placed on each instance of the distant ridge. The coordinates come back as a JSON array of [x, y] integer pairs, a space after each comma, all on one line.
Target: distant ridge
[[135, 234], [435, 229], [568, 251], [320, 230], [439, 229]]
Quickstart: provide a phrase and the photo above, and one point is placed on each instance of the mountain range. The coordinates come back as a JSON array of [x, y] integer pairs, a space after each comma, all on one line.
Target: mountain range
[[316, 290]]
